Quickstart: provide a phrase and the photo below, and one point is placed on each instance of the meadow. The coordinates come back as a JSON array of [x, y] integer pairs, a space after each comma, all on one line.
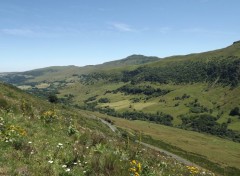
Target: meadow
[[40, 138], [217, 150]]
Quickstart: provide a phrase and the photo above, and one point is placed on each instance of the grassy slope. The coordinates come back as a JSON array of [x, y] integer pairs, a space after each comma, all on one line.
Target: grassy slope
[[72, 144], [60, 73], [210, 97], [201, 144], [232, 50]]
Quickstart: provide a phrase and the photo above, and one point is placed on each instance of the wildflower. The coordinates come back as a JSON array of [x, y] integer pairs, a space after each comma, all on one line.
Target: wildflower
[[193, 170], [29, 142], [60, 145], [132, 169], [135, 168], [133, 162], [64, 166], [139, 166], [68, 170], [84, 172], [50, 161]]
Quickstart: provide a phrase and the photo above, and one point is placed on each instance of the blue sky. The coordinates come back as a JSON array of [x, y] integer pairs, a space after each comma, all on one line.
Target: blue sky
[[40, 33]]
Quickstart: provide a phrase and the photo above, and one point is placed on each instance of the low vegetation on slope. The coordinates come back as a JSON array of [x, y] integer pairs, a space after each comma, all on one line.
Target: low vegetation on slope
[[39, 138], [196, 92], [199, 148]]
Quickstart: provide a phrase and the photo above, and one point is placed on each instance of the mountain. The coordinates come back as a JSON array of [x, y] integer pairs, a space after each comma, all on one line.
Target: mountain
[[58, 73], [196, 92], [130, 60], [143, 83]]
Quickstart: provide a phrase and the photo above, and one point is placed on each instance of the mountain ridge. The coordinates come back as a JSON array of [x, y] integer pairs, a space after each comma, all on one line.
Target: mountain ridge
[[135, 59], [195, 92]]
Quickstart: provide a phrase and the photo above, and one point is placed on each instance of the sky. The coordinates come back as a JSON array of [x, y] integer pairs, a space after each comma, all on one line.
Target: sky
[[41, 33]]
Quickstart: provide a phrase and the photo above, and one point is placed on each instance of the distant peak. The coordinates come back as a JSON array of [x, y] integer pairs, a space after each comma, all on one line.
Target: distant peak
[[236, 42], [136, 55]]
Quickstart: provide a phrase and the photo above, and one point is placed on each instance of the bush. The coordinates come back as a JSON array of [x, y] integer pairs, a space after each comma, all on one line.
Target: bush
[[49, 116], [3, 103], [234, 111], [52, 98], [104, 100]]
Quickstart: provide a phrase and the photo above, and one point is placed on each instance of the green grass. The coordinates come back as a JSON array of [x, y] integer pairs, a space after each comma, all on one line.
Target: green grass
[[219, 99], [201, 144], [72, 143]]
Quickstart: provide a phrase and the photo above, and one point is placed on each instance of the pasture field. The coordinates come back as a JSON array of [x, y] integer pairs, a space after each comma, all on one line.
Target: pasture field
[[218, 150]]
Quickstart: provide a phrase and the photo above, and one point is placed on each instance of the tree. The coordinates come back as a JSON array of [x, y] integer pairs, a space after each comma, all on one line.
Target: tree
[[53, 98], [234, 111]]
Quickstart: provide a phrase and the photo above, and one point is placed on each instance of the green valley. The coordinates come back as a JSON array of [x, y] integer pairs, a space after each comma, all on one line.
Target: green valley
[[188, 105]]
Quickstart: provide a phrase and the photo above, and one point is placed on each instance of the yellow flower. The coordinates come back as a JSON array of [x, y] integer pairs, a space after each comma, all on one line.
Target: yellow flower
[[135, 168], [136, 174], [133, 162], [139, 166], [132, 169]]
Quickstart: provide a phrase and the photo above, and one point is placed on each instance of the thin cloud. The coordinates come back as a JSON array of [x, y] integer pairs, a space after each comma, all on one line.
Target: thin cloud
[[195, 30], [18, 32], [164, 30], [41, 32], [122, 27]]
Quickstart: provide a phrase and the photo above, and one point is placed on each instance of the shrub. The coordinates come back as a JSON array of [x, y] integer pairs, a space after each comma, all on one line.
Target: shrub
[[14, 135], [3, 103], [103, 100], [72, 130], [26, 108], [234, 111], [52, 98], [49, 116]]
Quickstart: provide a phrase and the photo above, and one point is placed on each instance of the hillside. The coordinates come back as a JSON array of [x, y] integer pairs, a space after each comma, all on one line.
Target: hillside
[[196, 92], [39, 138], [130, 60], [60, 73], [179, 91]]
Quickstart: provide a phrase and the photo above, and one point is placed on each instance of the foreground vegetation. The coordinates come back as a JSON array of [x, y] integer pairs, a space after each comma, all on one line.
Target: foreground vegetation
[[198, 148], [39, 138]]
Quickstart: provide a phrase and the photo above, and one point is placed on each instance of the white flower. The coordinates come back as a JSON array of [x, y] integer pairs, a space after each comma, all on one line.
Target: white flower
[[29, 142], [60, 145], [50, 161], [68, 170], [63, 166], [84, 172], [87, 147], [75, 163]]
